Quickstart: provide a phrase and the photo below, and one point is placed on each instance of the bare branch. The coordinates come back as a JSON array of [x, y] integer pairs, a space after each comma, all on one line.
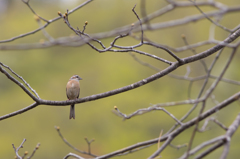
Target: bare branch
[[89, 144], [35, 149], [217, 24], [27, 3], [161, 53], [73, 155], [178, 146], [166, 143], [18, 148], [177, 131], [74, 148], [18, 77], [201, 146], [45, 25], [214, 147], [215, 121], [139, 22], [19, 111], [145, 110], [231, 130], [208, 92]]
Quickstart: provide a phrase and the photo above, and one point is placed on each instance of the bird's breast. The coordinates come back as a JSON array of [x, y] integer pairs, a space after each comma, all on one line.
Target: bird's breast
[[73, 90]]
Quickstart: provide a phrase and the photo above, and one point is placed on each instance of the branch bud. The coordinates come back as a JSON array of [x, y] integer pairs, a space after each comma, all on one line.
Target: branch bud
[[183, 36], [86, 23], [115, 107], [42, 41], [36, 18]]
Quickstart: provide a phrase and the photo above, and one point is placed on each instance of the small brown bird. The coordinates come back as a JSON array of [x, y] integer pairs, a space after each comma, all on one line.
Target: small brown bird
[[73, 91]]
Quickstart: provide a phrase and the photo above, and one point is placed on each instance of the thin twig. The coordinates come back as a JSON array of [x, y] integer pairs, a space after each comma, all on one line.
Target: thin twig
[[35, 149], [215, 121], [19, 77], [160, 135], [231, 130], [27, 3], [217, 24], [140, 22], [178, 146], [45, 25], [18, 148], [208, 92], [70, 145], [89, 144], [178, 131], [145, 110], [203, 145]]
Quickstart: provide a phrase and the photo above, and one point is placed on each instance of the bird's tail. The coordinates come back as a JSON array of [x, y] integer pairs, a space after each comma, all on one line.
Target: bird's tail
[[72, 112]]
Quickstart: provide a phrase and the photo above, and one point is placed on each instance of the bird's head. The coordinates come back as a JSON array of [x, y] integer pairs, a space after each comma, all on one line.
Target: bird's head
[[75, 77]]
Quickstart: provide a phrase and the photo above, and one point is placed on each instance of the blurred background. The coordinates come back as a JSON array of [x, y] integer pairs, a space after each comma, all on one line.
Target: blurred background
[[48, 70]]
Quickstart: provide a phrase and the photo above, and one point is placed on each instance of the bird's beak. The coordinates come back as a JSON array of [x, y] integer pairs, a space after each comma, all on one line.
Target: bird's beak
[[79, 78]]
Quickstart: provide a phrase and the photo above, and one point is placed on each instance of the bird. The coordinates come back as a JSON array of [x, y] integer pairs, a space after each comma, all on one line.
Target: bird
[[73, 91]]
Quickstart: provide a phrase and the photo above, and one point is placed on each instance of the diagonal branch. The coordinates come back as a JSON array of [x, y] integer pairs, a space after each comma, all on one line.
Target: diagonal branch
[[19, 111], [231, 130], [178, 131], [217, 24], [27, 3], [45, 25], [208, 92], [18, 83], [166, 143], [226, 140], [147, 80], [203, 145], [21, 79]]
